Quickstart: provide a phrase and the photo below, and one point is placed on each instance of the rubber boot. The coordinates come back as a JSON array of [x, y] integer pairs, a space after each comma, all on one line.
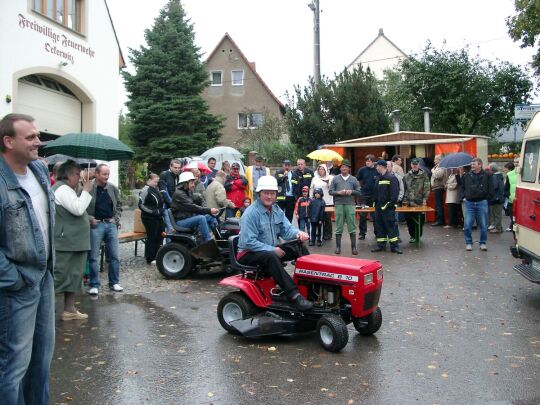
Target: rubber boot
[[353, 244], [338, 244]]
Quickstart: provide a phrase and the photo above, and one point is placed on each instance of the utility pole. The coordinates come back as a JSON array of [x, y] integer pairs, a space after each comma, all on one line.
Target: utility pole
[[314, 6]]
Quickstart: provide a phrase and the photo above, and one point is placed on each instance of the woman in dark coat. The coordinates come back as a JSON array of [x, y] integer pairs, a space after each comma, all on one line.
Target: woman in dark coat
[[151, 206]]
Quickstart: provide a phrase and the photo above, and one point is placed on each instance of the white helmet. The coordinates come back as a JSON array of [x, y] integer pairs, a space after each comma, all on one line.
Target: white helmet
[[186, 176], [267, 183]]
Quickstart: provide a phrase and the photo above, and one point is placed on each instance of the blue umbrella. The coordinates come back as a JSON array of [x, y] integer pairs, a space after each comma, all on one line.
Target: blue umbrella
[[455, 160]]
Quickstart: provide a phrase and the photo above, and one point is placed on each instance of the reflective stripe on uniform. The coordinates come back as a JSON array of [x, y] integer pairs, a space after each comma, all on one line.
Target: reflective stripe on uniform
[[384, 181], [392, 240], [382, 239]]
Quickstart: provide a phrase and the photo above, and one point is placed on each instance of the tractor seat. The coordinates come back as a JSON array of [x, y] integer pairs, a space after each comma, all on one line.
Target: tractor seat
[[248, 271], [177, 228]]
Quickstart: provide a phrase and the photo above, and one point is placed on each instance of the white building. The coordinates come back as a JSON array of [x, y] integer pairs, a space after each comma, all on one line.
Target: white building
[[381, 54], [60, 64]]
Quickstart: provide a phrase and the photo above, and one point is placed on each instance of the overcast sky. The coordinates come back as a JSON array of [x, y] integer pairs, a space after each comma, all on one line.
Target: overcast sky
[[278, 34]]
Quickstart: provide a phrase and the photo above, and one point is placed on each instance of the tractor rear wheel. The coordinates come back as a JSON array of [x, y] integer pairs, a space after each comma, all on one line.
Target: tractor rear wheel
[[232, 307]]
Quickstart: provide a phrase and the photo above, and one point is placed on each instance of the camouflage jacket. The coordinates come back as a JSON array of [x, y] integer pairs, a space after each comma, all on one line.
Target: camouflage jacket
[[416, 188]]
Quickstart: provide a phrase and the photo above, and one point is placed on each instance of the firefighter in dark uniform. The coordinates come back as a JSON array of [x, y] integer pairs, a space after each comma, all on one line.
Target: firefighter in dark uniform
[[385, 197]]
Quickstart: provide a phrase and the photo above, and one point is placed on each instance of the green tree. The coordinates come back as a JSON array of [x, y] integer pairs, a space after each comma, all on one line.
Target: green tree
[[348, 106], [525, 27], [168, 116], [468, 95]]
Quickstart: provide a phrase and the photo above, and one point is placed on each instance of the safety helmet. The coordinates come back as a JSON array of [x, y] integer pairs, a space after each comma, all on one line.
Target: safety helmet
[[186, 176], [268, 183]]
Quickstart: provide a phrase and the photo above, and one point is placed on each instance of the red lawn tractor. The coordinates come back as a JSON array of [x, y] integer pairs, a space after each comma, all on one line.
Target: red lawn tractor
[[343, 290]]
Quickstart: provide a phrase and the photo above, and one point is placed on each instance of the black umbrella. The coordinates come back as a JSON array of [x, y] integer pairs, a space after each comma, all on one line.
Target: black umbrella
[[54, 159], [455, 160]]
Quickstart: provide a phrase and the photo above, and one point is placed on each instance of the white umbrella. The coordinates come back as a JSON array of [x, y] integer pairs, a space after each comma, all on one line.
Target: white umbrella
[[221, 153]]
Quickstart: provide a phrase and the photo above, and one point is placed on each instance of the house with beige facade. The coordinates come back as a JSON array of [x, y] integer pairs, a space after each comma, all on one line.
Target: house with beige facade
[[381, 54], [237, 92]]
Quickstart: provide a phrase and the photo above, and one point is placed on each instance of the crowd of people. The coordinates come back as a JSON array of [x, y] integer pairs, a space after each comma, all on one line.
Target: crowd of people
[[467, 197]]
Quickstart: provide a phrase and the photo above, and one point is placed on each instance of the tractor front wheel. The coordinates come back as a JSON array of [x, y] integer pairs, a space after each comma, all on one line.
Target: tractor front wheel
[[332, 332], [370, 324]]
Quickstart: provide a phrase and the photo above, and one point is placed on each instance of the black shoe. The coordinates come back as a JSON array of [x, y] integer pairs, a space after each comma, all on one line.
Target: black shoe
[[319, 243], [362, 237], [436, 224], [379, 249], [301, 303], [311, 243], [397, 250]]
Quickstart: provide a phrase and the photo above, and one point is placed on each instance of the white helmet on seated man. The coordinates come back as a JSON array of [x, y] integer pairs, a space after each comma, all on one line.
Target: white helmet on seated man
[[267, 183], [186, 176]]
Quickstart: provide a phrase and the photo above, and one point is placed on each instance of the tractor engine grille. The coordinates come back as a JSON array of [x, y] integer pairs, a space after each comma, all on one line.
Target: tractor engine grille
[[371, 299]]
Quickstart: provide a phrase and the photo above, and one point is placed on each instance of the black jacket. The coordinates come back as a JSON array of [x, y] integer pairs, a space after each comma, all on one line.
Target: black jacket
[[301, 179], [498, 189], [316, 210], [167, 184], [477, 186], [183, 207], [386, 191], [150, 202], [282, 181]]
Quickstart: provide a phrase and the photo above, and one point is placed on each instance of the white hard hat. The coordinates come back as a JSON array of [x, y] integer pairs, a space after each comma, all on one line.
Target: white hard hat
[[267, 183], [186, 176]]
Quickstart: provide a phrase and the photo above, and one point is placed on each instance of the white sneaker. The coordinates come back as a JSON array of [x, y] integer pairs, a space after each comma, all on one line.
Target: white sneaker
[[93, 291], [483, 247], [491, 227], [117, 288], [153, 262], [468, 247]]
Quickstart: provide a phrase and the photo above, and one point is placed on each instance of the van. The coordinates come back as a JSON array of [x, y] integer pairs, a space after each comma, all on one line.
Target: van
[[527, 205]]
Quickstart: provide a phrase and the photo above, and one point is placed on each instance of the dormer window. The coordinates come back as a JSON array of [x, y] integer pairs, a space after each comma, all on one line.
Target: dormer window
[[65, 12]]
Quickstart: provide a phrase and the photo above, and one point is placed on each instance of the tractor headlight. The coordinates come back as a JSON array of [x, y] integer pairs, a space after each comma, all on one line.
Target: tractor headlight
[[368, 279], [380, 274]]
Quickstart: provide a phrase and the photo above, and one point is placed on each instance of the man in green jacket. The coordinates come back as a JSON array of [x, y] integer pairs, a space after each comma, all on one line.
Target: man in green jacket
[[416, 195]]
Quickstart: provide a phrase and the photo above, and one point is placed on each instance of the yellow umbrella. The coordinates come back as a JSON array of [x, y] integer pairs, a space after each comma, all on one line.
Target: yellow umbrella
[[325, 155]]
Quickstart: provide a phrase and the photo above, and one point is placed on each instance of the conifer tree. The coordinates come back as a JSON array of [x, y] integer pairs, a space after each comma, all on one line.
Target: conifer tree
[[169, 118]]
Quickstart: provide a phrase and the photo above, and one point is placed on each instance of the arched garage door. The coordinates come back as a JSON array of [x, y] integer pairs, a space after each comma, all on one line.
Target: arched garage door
[[54, 107]]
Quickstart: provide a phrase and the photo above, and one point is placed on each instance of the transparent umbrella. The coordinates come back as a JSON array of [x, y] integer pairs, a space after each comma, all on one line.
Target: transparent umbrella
[[221, 153]]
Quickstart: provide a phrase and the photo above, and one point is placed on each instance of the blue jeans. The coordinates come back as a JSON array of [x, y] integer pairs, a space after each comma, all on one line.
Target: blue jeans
[[304, 224], [230, 212], [26, 342], [108, 233], [202, 222], [476, 210]]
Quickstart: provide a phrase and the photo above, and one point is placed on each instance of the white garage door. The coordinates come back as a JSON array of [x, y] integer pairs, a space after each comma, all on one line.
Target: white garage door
[[55, 109]]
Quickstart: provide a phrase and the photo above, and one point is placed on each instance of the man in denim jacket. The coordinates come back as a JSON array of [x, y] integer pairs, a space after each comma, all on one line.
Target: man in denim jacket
[[26, 263], [261, 226]]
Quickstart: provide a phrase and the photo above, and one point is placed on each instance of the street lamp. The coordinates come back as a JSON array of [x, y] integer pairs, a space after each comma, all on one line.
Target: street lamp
[[314, 6]]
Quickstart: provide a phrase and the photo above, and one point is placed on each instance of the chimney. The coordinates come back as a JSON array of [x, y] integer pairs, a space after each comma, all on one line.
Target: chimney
[[253, 66], [395, 117], [427, 124]]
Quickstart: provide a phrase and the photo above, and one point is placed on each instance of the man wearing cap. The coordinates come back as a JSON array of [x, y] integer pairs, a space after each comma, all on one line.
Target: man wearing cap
[[263, 224], [285, 196], [385, 198], [253, 174], [301, 177], [235, 185], [344, 188], [366, 177], [416, 194]]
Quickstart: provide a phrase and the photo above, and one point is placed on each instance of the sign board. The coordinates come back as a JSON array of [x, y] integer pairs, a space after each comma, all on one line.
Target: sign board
[[525, 111]]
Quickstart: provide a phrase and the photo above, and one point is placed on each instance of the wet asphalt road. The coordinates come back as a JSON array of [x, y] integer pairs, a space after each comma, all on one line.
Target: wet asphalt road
[[458, 328]]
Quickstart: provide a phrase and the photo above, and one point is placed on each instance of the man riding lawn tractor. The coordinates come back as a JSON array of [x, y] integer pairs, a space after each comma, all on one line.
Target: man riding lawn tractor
[[262, 224]]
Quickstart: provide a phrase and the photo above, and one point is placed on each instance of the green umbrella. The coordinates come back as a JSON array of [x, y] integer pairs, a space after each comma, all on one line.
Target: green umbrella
[[90, 146]]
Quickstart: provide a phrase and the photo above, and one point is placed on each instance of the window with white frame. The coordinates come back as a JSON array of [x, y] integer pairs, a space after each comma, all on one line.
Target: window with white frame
[[216, 77], [250, 120], [237, 77], [65, 12]]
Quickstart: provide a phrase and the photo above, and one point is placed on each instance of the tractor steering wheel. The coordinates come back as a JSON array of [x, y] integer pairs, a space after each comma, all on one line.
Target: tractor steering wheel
[[295, 245]]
